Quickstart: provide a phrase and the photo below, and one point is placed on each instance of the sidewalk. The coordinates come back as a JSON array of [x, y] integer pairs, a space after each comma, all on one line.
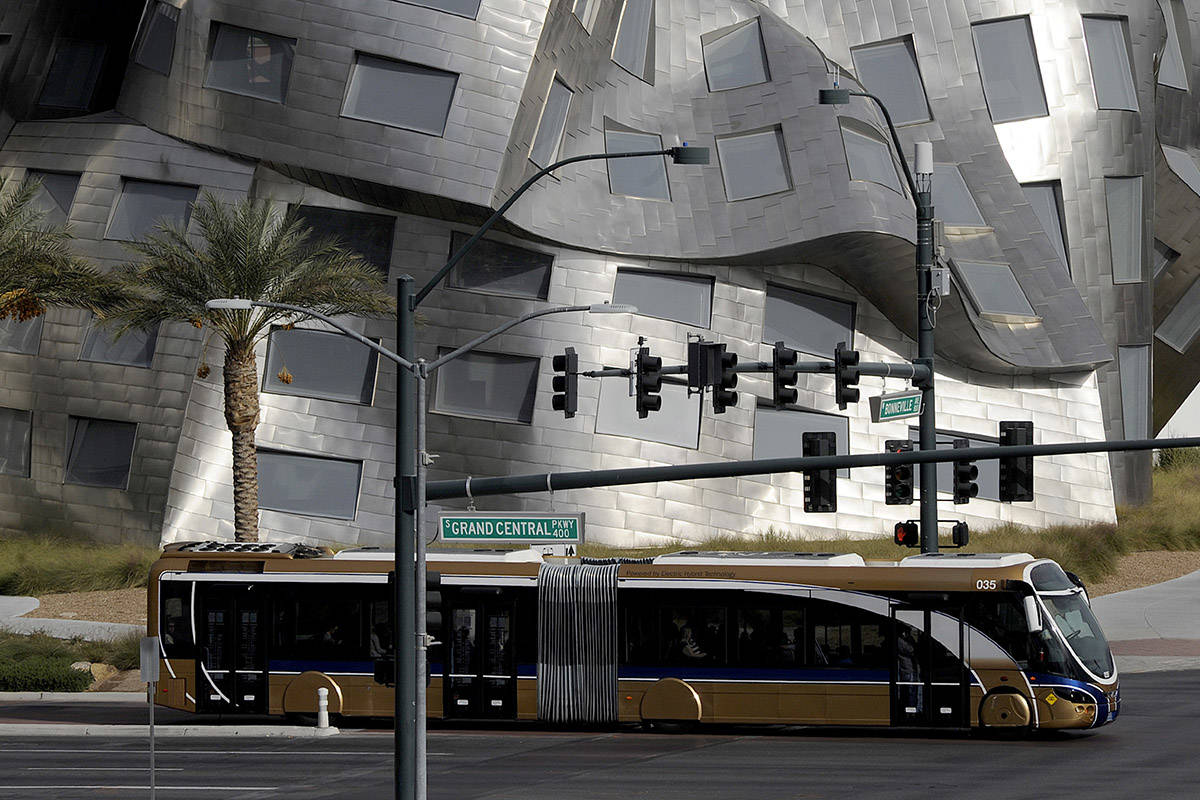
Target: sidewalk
[[1155, 627], [11, 619]]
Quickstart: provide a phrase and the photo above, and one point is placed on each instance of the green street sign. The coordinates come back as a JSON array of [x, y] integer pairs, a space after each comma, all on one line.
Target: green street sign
[[518, 527], [895, 406]]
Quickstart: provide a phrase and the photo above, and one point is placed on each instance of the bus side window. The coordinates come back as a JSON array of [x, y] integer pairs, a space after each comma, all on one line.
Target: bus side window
[[694, 635], [175, 624]]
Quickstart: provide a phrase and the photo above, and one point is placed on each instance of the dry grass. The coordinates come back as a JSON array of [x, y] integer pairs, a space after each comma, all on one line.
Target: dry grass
[[34, 565]]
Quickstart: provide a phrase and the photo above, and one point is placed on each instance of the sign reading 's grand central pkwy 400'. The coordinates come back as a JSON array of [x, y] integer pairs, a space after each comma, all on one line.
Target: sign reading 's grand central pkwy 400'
[[518, 527]]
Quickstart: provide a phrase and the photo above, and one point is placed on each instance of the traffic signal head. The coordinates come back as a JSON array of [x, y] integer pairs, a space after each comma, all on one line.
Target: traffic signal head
[[783, 366], [960, 534], [845, 375], [820, 485], [898, 478], [1016, 474], [907, 534], [647, 382], [965, 473], [433, 604], [723, 394], [566, 383]]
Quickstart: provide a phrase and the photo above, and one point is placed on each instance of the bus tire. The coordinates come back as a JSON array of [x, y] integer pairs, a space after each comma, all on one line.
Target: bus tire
[[1005, 709]]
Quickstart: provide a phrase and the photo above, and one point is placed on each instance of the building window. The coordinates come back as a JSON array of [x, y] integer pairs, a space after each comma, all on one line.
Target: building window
[[1164, 257], [1173, 71], [21, 337], [1180, 327], [666, 295], [953, 200], [676, 423], [155, 46], [135, 348], [497, 268], [1134, 364], [735, 57], [645, 176], [324, 365], [1008, 66], [1183, 165], [889, 70], [1124, 201], [869, 155], [461, 8], [1046, 199], [779, 432], [309, 485], [495, 386], [633, 46], [144, 204], [989, 469], [369, 235], [753, 164], [1108, 53], [56, 196], [554, 121], [400, 94], [993, 289], [73, 75], [99, 452], [585, 12], [807, 322], [15, 438], [248, 62]]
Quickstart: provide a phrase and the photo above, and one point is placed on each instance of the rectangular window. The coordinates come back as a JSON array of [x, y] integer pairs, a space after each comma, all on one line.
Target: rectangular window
[[1173, 71], [1164, 257], [21, 337], [321, 364], [989, 470], [810, 323], [248, 62], [753, 164], [889, 70], [779, 432], [674, 296], [329, 623], [73, 75], [676, 423], [1134, 363], [99, 452], [495, 386], [544, 151], [1046, 199], [135, 348], [369, 235], [144, 204], [869, 155], [1180, 327], [735, 57], [993, 289], [56, 196], [1124, 201], [15, 438], [1008, 66], [498, 268], [952, 199], [462, 8], [400, 94], [634, 42], [155, 46], [309, 485], [637, 177], [1108, 53]]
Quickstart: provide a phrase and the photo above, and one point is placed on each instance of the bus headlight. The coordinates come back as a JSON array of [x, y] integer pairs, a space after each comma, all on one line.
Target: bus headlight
[[1073, 695]]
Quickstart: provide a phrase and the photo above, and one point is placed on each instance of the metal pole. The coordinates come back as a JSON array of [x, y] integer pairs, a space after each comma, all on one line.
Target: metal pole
[[404, 642], [928, 434], [422, 639], [150, 689]]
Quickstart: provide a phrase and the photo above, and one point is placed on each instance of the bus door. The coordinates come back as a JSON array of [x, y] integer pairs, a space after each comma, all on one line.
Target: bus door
[[231, 669], [479, 672], [930, 684]]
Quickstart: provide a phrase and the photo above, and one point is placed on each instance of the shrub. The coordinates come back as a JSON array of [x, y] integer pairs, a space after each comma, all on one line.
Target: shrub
[[33, 565], [124, 652], [42, 674]]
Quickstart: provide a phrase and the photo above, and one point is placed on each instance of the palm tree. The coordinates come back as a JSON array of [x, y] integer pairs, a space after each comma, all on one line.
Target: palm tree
[[244, 251], [37, 267]]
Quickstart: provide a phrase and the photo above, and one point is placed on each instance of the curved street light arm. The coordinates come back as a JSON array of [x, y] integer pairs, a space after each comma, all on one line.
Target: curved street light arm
[[912, 185], [378, 348], [478, 340]]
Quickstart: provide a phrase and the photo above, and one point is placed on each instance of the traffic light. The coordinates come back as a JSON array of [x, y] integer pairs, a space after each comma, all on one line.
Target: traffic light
[[566, 383], [723, 394], [647, 382], [898, 478], [820, 485], [907, 534], [783, 375], [433, 605], [1016, 473], [845, 375], [965, 473], [960, 534]]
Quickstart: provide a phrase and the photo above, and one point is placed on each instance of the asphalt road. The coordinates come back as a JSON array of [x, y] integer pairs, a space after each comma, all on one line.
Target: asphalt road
[[1150, 752]]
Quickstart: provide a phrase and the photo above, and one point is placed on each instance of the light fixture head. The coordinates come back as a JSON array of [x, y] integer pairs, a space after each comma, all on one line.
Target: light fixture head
[[833, 97], [689, 155], [611, 308], [229, 304]]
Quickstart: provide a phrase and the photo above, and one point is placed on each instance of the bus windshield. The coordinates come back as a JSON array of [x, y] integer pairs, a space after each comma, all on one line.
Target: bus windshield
[[1081, 630]]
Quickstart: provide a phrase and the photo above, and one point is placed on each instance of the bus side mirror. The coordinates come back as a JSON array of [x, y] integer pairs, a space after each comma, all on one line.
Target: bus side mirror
[[1033, 620]]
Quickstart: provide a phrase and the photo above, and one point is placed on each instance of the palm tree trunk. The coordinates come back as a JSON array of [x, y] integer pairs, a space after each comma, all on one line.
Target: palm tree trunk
[[241, 415]]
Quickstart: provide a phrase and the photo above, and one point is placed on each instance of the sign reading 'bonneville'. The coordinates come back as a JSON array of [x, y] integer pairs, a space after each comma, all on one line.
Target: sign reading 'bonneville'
[[511, 527]]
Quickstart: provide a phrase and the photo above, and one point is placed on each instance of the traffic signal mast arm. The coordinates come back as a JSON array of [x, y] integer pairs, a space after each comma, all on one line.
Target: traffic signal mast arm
[[917, 373]]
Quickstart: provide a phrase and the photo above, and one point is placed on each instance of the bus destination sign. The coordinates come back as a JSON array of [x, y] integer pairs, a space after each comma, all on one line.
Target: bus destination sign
[[898, 405], [497, 526]]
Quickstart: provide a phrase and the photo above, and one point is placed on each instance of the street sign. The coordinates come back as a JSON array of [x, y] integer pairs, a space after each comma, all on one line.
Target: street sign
[[496, 526], [148, 656], [897, 405]]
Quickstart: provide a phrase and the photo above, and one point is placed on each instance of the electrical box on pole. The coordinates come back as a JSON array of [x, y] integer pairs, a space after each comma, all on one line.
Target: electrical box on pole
[[965, 473], [566, 383], [898, 478], [783, 375], [1016, 473], [820, 485], [845, 375], [723, 394], [647, 382]]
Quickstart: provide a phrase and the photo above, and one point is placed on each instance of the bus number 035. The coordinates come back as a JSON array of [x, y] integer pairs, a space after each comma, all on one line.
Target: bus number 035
[[985, 584]]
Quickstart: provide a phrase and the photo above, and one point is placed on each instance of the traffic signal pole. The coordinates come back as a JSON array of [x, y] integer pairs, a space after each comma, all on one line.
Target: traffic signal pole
[[923, 197]]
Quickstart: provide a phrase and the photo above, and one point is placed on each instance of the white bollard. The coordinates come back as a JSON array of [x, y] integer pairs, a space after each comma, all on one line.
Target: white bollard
[[322, 707]]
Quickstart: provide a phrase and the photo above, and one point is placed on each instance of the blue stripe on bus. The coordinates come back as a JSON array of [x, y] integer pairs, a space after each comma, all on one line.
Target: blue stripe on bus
[[830, 675], [306, 665]]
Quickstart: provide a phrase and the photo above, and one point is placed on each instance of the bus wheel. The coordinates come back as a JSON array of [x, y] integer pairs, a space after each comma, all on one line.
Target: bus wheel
[[1005, 710]]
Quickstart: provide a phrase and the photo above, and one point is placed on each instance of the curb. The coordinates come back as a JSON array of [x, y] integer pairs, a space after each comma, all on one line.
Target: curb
[[73, 697], [27, 730]]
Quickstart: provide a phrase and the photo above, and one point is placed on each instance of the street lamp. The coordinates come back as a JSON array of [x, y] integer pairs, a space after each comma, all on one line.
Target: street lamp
[[923, 198]]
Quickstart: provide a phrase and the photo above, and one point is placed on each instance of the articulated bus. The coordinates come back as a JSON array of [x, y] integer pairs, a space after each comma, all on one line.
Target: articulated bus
[[1002, 641]]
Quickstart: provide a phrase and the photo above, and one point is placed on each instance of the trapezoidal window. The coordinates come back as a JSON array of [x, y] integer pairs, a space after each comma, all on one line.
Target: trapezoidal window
[[633, 47], [1008, 66], [400, 94], [1180, 327], [56, 195], [369, 235], [497, 268], [548, 139], [1173, 71], [310, 485], [142, 205], [1183, 165], [15, 441], [869, 155], [994, 290], [989, 468], [1046, 199], [320, 364], [495, 386], [674, 296], [99, 452], [134, 349], [21, 337], [155, 45], [676, 423], [644, 176], [1164, 257], [753, 164], [955, 205], [1123, 198], [1108, 53], [74, 72], [810, 323], [1134, 364], [251, 63], [461, 8], [735, 57], [778, 432], [889, 70]]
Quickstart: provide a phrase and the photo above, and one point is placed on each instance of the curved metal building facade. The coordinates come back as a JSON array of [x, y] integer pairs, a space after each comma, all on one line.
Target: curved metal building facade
[[1064, 138]]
